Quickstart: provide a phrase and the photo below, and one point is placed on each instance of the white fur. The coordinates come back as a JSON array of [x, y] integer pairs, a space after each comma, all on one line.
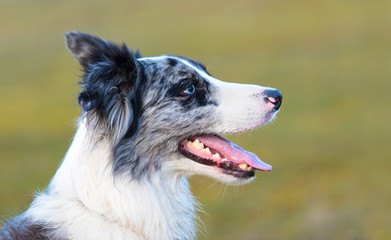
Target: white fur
[[85, 200]]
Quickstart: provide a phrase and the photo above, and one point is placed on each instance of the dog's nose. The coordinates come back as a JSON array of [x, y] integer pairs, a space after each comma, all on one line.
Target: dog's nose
[[273, 96]]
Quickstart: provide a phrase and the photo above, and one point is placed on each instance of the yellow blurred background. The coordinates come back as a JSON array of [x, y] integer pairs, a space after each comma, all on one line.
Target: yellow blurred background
[[330, 146]]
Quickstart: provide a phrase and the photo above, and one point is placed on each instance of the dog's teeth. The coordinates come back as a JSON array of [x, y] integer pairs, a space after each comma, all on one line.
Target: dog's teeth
[[216, 156], [207, 151], [249, 168], [224, 160], [243, 166], [197, 144]]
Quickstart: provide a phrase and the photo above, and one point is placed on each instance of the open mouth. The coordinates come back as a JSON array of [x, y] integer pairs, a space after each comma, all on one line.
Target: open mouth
[[231, 159]]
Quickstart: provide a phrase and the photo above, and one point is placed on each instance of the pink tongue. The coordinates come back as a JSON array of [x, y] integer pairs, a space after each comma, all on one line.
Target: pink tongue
[[233, 152]]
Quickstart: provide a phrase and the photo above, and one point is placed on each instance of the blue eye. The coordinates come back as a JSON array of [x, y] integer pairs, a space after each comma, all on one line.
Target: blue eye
[[190, 90]]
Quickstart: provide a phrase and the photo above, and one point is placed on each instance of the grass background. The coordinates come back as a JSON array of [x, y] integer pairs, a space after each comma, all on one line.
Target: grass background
[[330, 147]]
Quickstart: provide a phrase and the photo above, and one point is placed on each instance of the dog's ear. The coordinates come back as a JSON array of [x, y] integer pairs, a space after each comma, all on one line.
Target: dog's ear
[[110, 76], [88, 49]]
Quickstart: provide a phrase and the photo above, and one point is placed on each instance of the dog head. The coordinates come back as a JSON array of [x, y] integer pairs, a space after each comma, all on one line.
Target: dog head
[[163, 113]]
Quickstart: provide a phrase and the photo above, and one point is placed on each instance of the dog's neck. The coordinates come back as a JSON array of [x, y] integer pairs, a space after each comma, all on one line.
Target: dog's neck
[[160, 207]]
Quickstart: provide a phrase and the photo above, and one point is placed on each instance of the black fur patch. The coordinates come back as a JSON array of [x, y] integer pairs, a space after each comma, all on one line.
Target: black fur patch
[[20, 228], [110, 74], [136, 102], [172, 62], [176, 89]]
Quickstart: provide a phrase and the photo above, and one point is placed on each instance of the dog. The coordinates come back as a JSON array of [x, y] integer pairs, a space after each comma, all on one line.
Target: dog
[[146, 125]]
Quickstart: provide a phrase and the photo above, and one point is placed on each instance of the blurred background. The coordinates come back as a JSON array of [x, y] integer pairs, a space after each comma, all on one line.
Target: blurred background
[[330, 146]]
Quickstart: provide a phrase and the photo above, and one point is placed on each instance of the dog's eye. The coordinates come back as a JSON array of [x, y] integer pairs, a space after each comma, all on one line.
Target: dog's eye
[[190, 90]]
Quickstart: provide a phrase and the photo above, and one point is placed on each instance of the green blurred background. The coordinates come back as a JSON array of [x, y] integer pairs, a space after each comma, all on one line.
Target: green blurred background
[[330, 147]]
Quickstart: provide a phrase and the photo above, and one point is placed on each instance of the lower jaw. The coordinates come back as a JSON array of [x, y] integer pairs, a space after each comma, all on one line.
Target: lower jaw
[[269, 117], [239, 174]]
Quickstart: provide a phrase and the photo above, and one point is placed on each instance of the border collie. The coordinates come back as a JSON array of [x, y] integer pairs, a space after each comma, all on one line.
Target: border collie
[[147, 124]]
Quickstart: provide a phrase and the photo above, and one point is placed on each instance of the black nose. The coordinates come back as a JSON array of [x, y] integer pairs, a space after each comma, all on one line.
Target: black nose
[[273, 96]]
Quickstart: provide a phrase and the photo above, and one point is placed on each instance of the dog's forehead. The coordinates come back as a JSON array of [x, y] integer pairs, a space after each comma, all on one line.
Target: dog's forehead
[[171, 61]]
